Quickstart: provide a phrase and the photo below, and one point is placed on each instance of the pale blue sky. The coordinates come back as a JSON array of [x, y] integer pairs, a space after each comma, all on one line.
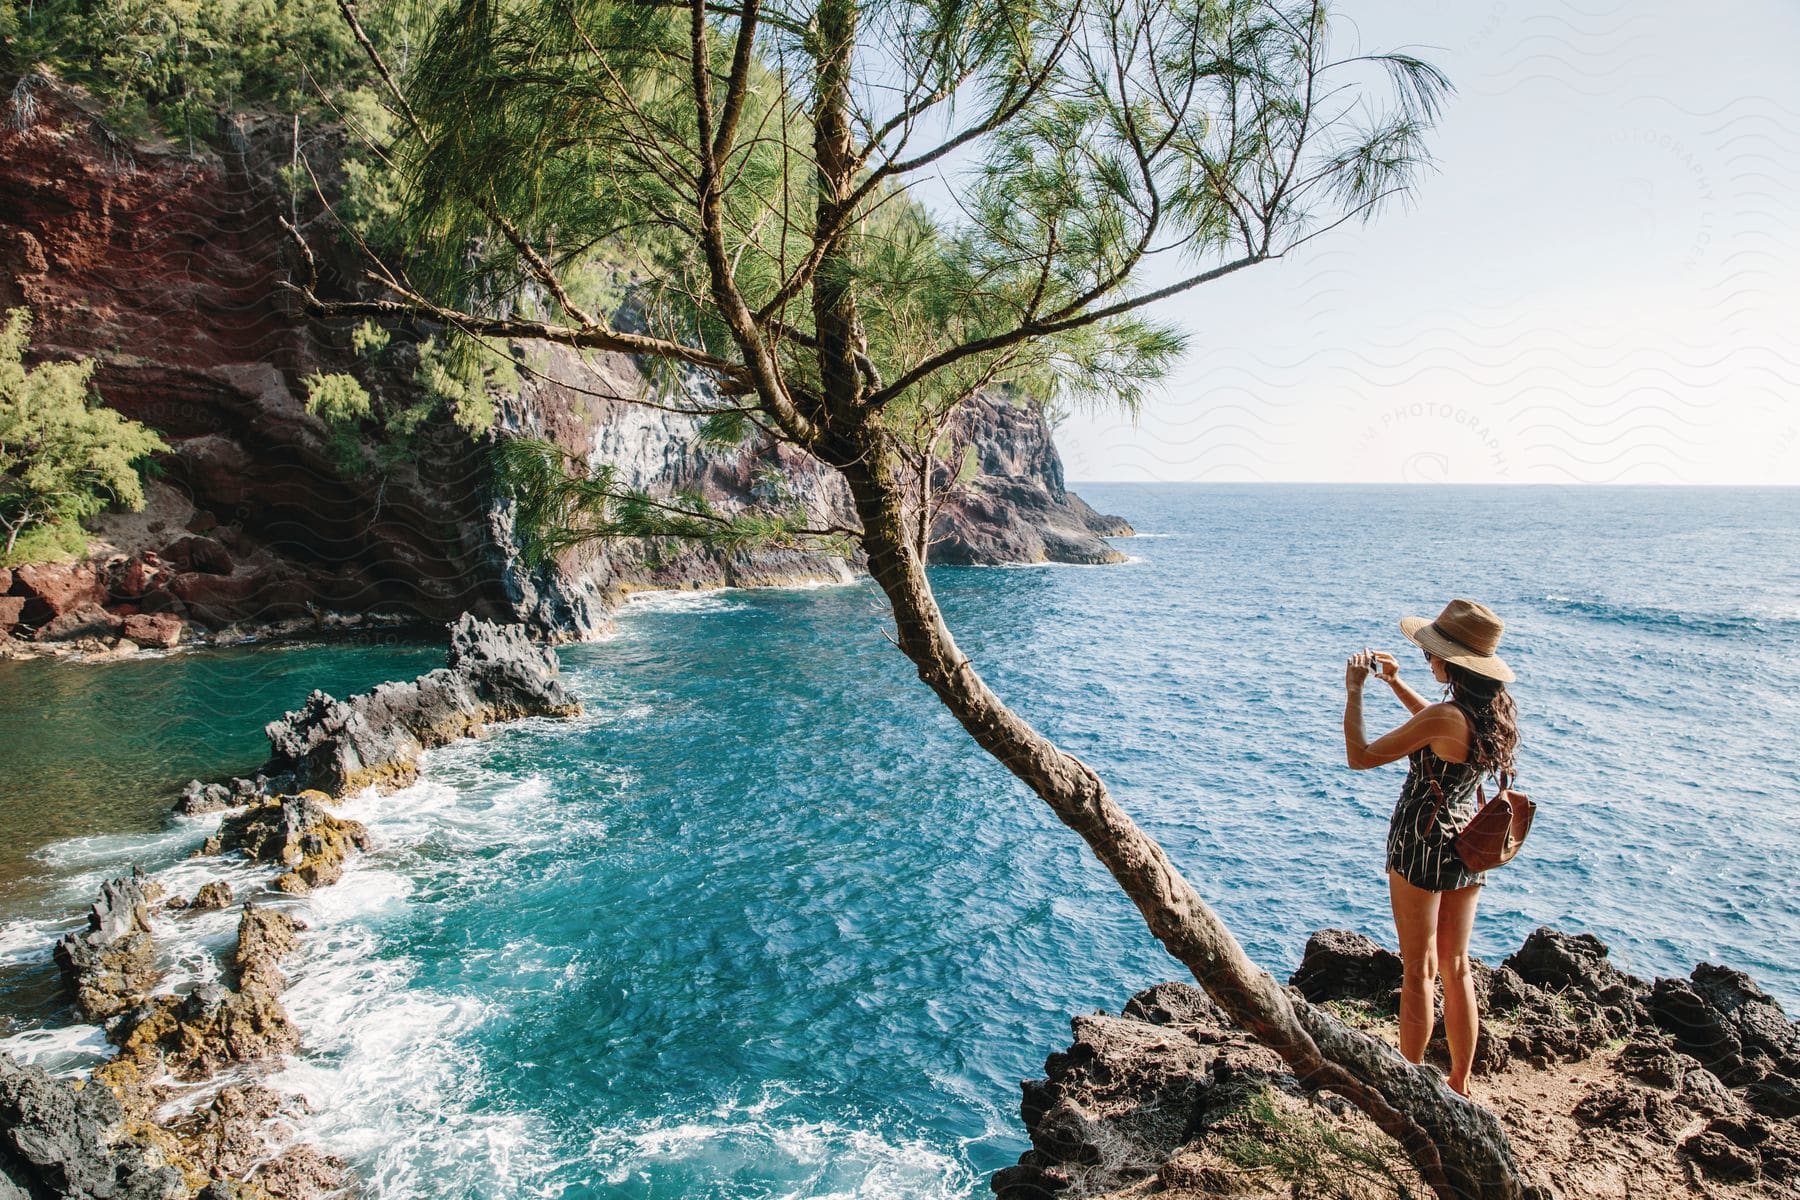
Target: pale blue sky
[[1601, 283]]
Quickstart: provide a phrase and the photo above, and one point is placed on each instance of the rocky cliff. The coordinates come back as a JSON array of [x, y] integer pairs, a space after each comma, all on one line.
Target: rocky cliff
[[1610, 1087], [164, 266]]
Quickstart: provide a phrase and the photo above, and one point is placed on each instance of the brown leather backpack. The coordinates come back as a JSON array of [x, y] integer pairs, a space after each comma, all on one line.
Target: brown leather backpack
[[1498, 828]]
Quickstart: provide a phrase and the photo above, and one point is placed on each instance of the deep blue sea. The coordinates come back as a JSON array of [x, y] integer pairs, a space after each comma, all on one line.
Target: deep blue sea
[[765, 923]]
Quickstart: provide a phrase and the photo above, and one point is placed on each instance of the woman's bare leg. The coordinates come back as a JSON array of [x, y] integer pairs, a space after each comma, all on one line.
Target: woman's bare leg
[[1416, 921], [1455, 920]]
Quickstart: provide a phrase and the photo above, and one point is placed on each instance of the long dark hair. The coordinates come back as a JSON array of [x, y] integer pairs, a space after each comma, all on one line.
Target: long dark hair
[[1493, 720]]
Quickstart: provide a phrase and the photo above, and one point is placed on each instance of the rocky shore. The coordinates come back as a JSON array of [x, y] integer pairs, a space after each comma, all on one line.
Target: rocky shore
[[179, 1110], [1609, 1086]]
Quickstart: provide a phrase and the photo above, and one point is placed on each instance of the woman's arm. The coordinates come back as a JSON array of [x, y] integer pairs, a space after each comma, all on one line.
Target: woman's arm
[[1440, 726]]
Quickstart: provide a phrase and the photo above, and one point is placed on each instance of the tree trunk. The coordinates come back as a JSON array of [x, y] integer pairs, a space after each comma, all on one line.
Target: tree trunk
[[1459, 1147]]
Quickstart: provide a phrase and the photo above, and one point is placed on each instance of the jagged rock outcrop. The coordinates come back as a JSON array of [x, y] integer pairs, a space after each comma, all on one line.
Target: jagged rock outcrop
[[215, 1025], [1737, 1031], [494, 674], [1017, 508], [1616, 1088], [199, 797], [59, 1141], [165, 268], [298, 833], [111, 963], [225, 1145]]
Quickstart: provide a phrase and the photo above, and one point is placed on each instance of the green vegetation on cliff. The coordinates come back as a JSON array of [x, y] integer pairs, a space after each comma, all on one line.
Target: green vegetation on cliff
[[63, 456]]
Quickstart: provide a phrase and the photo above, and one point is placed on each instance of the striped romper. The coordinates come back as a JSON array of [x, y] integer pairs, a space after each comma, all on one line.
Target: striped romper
[[1418, 847]]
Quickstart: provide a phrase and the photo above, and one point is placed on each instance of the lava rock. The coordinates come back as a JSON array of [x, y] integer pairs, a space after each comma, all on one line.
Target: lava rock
[[212, 896], [297, 832], [1565, 964], [213, 1026], [196, 552], [1176, 1004], [83, 621], [59, 1141], [111, 965], [1631, 1109], [494, 674], [198, 797], [1720, 1158], [153, 629], [1737, 1031], [1341, 965], [52, 589]]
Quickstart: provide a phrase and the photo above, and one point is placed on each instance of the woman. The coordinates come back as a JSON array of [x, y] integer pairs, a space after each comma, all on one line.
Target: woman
[[1451, 746]]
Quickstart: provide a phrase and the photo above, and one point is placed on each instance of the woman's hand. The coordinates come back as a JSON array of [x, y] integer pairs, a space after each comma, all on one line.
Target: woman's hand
[[1364, 663]]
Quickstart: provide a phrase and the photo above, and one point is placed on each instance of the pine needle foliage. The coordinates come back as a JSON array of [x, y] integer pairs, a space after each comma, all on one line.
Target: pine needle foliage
[[756, 167], [64, 457], [561, 502]]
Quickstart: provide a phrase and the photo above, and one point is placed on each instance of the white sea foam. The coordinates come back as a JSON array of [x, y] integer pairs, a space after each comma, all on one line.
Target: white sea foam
[[389, 1066], [109, 854], [63, 1051], [790, 1158], [1130, 559], [25, 940], [684, 600]]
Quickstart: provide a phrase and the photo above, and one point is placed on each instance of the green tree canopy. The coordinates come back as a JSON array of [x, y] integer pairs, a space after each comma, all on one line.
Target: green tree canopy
[[63, 456]]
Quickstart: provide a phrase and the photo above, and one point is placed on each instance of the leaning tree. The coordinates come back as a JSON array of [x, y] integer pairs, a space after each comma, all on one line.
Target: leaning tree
[[760, 164]]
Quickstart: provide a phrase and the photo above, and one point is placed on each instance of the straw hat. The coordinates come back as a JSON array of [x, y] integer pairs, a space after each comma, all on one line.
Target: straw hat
[[1465, 633]]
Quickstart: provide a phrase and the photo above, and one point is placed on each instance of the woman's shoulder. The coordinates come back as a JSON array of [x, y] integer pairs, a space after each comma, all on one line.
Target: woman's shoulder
[[1447, 710], [1456, 727]]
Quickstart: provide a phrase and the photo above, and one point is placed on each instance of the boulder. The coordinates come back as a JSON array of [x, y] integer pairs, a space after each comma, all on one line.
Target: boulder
[[1563, 963], [56, 1140], [1736, 1030], [1341, 965], [213, 895], [51, 589], [153, 629], [12, 609], [197, 797], [111, 965], [1564, 998], [86, 620], [133, 578], [198, 553]]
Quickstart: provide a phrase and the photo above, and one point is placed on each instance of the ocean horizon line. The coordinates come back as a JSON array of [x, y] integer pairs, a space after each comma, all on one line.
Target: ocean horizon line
[[1425, 485]]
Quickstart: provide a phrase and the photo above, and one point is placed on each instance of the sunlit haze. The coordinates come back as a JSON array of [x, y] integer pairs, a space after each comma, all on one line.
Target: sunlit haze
[[1600, 283]]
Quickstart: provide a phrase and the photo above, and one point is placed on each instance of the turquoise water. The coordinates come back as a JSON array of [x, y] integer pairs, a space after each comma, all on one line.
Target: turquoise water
[[764, 923]]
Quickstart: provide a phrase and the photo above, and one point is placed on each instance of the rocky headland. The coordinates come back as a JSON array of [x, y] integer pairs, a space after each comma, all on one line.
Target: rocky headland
[[1609, 1086], [180, 1110], [165, 264]]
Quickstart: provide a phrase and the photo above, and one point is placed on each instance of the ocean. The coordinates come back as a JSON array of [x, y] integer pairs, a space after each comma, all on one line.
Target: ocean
[[765, 923]]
